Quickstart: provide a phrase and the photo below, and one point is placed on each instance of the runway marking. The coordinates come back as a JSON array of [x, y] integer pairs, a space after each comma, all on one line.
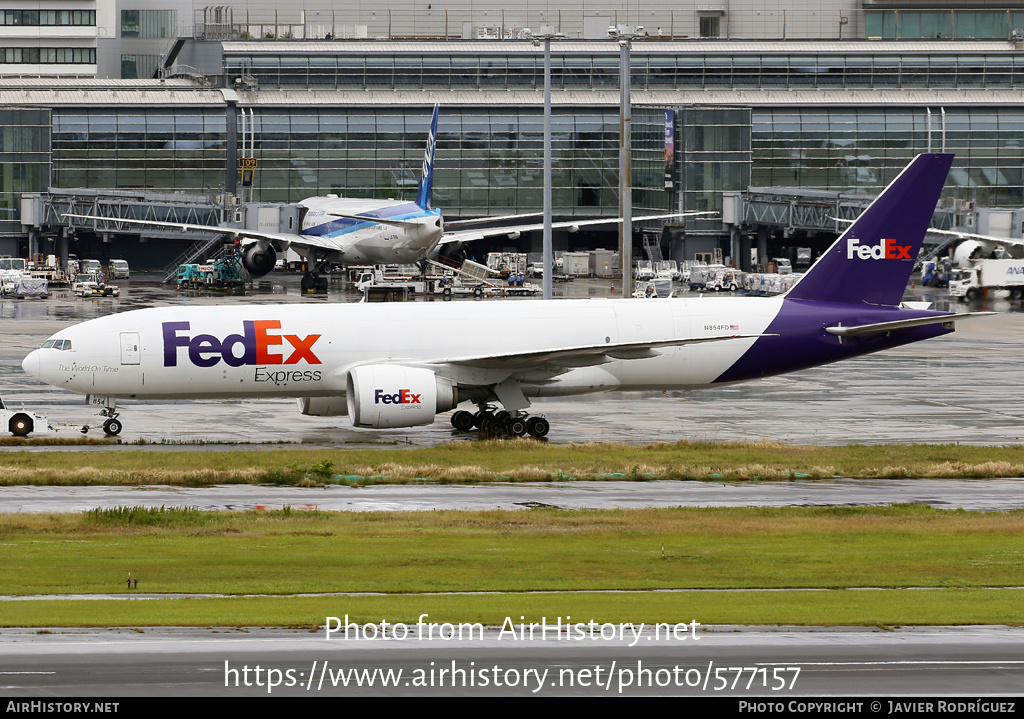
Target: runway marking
[[896, 662]]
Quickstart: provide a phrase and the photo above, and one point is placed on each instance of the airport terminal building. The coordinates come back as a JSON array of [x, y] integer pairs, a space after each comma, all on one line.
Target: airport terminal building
[[833, 96]]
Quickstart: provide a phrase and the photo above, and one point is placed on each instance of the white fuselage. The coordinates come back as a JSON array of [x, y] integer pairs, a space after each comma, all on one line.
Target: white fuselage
[[360, 241], [306, 351]]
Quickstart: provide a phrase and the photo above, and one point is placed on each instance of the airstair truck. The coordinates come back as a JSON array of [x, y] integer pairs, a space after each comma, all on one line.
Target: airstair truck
[[971, 282]]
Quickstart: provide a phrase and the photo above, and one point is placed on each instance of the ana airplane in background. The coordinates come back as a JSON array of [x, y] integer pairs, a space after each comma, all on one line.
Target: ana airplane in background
[[977, 247], [350, 231], [400, 364]]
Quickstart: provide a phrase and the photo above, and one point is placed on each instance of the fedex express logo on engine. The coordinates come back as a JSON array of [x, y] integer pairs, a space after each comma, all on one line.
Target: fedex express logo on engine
[[402, 396], [886, 249], [258, 344]]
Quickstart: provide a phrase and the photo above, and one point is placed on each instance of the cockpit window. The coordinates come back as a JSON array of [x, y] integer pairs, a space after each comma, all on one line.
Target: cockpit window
[[57, 344], [66, 345], [47, 344]]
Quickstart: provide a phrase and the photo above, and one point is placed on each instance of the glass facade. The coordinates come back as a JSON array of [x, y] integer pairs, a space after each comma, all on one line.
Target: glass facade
[[488, 161], [952, 23], [864, 149], [47, 55], [716, 157], [149, 23], [796, 71], [159, 148], [42, 18], [139, 66], [24, 159]]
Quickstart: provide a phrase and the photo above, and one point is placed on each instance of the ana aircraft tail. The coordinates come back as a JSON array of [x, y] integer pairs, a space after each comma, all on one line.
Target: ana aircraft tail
[[427, 177], [871, 262]]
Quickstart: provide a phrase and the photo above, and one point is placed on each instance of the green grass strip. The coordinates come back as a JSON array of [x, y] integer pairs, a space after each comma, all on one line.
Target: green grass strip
[[509, 461], [828, 608]]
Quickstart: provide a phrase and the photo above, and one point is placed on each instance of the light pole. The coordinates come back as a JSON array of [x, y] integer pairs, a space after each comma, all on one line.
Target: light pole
[[546, 34], [625, 35]]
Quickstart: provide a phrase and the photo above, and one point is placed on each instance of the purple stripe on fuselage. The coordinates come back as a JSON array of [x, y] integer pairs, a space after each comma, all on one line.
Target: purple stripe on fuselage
[[802, 341]]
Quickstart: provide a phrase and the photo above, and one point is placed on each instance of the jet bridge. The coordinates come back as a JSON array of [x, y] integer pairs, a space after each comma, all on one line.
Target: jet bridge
[[42, 215], [794, 209], [757, 214]]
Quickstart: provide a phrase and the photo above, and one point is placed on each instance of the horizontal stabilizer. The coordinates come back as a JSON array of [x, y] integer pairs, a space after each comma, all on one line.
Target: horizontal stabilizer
[[377, 220], [880, 327]]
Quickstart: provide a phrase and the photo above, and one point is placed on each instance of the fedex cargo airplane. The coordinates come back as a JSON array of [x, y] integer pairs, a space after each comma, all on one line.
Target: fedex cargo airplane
[[399, 365]]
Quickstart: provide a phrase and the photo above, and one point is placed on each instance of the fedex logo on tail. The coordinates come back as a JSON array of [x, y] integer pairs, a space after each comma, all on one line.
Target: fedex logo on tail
[[886, 249], [258, 344], [402, 396]]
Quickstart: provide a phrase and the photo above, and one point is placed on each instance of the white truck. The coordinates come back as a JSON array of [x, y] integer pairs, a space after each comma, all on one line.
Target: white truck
[[972, 282], [377, 278]]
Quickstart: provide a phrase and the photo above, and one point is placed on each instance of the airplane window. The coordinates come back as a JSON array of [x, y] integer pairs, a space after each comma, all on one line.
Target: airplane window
[[59, 344], [67, 345], [47, 344]]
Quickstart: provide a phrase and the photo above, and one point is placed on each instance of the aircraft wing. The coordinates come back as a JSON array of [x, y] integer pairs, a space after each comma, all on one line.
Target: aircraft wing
[[283, 238], [581, 354], [492, 218], [974, 236], [469, 235], [960, 235]]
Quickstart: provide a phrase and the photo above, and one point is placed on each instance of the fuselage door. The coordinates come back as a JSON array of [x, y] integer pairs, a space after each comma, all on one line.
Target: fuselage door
[[130, 348]]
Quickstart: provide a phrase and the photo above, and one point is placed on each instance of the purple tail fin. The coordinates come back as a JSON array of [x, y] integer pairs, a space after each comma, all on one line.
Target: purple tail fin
[[871, 262]]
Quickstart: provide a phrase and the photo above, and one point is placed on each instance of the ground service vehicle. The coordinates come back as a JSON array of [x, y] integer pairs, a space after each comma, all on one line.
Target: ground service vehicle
[[118, 270], [984, 275]]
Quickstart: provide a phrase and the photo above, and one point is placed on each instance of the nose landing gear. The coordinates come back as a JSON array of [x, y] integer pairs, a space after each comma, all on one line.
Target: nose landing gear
[[111, 425]]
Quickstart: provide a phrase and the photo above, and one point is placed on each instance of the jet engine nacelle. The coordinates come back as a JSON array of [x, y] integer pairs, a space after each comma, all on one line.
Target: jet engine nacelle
[[323, 406], [259, 262], [386, 396]]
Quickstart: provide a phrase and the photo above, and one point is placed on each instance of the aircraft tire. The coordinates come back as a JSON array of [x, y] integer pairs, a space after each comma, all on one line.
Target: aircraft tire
[[463, 420], [517, 427], [112, 427], [490, 428], [537, 427], [21, 425]]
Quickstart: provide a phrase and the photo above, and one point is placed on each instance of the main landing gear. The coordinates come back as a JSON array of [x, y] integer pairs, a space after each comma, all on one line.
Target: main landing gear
[[313, 280], [498, 424]]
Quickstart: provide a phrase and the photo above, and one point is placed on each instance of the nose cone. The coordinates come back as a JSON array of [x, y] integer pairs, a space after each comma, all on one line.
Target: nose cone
[[31, 364]]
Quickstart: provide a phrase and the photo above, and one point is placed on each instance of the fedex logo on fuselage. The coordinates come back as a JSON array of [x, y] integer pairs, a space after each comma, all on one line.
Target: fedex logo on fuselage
[[886, 249], [402, 396], [256, 345]]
